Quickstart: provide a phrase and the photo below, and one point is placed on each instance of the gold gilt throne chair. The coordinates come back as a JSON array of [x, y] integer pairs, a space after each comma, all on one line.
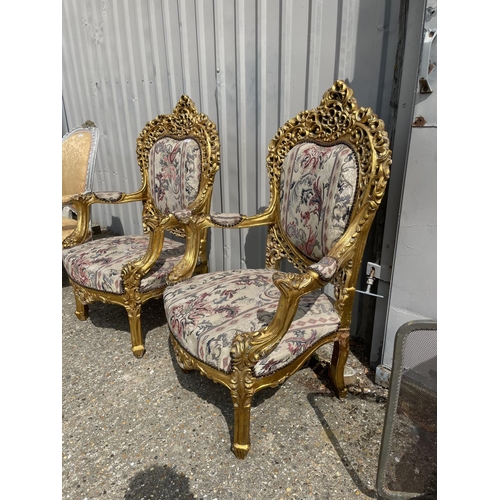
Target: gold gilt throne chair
[[253, 328], [79, 150], [178, 155]]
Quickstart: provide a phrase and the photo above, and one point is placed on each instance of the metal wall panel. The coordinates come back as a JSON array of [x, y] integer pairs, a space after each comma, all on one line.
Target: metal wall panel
[[249, 65]]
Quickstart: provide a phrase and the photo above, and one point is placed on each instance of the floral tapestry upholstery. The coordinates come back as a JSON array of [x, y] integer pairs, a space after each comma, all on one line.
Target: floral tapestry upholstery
[[206, 312], [174, 173], [98, 264], [326, 268], [312, 216]]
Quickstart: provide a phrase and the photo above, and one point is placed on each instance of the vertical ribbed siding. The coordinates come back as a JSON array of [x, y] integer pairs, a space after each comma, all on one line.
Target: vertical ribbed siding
[[249, 65]]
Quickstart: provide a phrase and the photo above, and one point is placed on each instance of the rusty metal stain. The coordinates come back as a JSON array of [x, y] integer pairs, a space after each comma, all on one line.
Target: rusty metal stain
[[419, 122]]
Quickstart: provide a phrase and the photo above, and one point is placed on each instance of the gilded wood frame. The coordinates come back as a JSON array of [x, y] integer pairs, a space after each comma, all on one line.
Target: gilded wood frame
[[184, 122], [337, 119]]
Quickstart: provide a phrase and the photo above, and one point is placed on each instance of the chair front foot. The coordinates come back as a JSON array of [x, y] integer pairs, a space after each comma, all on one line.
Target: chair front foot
[[240, 450], [138, 351]]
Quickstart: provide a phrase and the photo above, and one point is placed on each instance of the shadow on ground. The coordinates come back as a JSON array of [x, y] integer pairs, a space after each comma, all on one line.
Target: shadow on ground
[[160, 483], [313, 401]]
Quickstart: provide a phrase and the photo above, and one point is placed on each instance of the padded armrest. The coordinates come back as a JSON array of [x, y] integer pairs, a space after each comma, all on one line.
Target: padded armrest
[[226, 219], [326, 267], [183, 216], [109, 196]]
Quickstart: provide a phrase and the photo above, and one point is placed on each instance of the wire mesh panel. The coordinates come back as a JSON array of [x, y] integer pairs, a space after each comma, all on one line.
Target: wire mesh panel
[[408, 453]]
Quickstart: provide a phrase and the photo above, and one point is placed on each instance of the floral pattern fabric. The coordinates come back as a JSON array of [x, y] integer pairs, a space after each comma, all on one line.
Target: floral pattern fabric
[[318, 185], [98, 264], [206, 312], [174, 173]]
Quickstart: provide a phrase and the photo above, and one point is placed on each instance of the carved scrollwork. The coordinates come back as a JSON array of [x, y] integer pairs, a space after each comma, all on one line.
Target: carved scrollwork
[[87, 296], [291, 281], [279, 247], [340, 280], [185, 362], [242, 381], [151, 216], [131, 275], [71, 240]]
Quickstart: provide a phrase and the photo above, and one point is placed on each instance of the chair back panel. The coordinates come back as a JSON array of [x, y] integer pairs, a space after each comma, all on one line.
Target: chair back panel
[[76, 149], [317, 189], [174, 173], [179, 155]]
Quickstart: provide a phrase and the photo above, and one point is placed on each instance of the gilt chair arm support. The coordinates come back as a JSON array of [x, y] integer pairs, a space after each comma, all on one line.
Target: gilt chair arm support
[[132, 272], [292, 287], [194, 224]]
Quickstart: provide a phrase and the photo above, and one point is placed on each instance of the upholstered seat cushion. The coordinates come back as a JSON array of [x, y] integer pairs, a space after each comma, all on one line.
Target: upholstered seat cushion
[[206, 312], [98, 264]]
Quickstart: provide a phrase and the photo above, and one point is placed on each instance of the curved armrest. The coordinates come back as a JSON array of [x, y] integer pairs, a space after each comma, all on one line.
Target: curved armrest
[[132, 272], [82, 203], [193, 225], [108, 197], [292, 287], [239, 221]]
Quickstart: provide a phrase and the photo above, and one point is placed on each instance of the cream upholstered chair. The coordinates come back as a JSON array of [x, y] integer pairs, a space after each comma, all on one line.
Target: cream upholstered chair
[[252, 328], [178, 155], [79, 149]]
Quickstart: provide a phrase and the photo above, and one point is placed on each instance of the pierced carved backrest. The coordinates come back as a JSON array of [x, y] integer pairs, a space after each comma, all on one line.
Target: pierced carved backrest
[[178, 155], [328, 170], [78, 159]]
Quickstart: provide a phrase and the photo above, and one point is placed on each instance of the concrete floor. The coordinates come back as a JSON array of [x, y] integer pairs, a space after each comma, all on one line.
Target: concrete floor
[[142, 429]]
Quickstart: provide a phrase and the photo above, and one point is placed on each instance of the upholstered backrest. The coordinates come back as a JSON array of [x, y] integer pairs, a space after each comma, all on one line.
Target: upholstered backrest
[[174, 173], [317, 190], [76, 153]]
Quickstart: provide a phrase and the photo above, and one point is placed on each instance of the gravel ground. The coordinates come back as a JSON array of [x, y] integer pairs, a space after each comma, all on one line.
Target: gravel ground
[[143, 429]]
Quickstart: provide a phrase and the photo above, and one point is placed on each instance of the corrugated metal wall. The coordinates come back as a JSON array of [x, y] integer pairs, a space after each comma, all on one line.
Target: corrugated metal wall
[[249, 65]]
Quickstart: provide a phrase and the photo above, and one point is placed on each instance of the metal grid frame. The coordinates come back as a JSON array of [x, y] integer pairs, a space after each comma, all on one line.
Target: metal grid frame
[[406, 333]]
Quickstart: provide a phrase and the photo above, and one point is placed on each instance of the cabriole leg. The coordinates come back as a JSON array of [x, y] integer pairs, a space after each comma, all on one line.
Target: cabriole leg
[[339, 358]]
